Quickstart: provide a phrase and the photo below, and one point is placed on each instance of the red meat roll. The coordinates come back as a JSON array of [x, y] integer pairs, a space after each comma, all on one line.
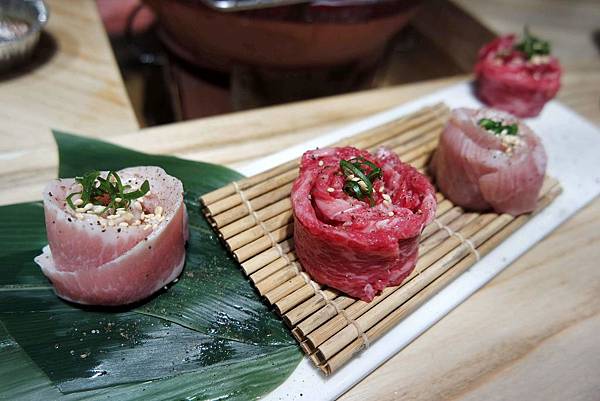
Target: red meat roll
[[511, 78], [355, 237], [488, 159]]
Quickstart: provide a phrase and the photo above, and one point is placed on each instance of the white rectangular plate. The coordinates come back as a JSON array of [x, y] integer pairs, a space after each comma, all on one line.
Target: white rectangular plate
[[572, 145]]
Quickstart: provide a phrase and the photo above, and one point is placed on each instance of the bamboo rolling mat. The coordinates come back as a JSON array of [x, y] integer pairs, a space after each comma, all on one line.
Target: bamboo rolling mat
[[254, 219]]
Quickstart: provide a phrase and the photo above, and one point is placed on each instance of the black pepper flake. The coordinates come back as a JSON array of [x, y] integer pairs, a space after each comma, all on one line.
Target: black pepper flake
[[104, 230], [118, 230], [50, 193], [149, 246], [68, 218]]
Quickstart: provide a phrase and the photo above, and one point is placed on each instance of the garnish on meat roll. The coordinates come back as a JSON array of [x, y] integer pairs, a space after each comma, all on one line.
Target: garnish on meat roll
[[519, 77], [488, 159], [114, 237], [358, 218]]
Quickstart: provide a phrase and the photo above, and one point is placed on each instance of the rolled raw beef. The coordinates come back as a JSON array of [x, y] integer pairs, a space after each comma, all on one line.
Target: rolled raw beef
[[358, 218], [488, 159], [120, 245], [517, 77]]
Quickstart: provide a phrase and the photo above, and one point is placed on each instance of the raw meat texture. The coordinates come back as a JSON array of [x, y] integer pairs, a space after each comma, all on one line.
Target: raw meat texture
[[344, 243], [473, 169], [506, 80], [89, 264]]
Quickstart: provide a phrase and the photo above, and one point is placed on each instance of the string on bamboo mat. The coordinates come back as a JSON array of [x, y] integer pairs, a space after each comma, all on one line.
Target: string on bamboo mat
[[458, 235]]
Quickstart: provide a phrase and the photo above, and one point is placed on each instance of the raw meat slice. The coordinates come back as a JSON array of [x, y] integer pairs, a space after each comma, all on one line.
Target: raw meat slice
[[509, 81], [479, 170], [92, 262], [346, 243]]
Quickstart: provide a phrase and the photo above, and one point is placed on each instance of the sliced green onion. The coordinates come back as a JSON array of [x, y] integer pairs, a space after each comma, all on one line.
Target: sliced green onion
[[498, 127], [354, 168], [531, 45], [102, 191]]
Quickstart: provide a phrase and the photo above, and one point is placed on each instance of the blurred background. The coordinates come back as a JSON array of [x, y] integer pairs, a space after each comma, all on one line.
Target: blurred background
[[184, 59]]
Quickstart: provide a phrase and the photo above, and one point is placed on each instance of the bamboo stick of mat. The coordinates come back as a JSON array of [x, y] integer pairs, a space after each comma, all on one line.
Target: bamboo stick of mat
[[398, 314]]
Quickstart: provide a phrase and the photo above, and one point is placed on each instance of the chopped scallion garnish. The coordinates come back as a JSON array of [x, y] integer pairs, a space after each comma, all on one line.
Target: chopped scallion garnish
[[362, 185], [498, 127], [532, 46], [108, 192]]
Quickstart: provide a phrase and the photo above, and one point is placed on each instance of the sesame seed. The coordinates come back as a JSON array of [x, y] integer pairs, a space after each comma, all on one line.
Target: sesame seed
[[118, 200], [80, 210], [390, 214], [386, 197], [111, 223], [321, 163], [355, 179], [147, 226], [112, 217], [350, 176], [158, 211], [137, 205], [123, 224], [330, 189], [382, 189], [79, 216], [149, 216], [78, 202], [362, 185]]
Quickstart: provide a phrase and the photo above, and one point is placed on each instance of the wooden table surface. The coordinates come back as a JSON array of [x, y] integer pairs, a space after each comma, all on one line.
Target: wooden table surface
[[531, 333]]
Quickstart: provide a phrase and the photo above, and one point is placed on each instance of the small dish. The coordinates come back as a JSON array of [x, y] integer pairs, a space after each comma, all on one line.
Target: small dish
[[21, 22]]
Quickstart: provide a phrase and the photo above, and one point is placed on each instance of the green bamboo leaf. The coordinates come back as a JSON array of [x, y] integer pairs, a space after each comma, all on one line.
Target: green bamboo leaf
[[22, 235], [207, 336], [23, 380]]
